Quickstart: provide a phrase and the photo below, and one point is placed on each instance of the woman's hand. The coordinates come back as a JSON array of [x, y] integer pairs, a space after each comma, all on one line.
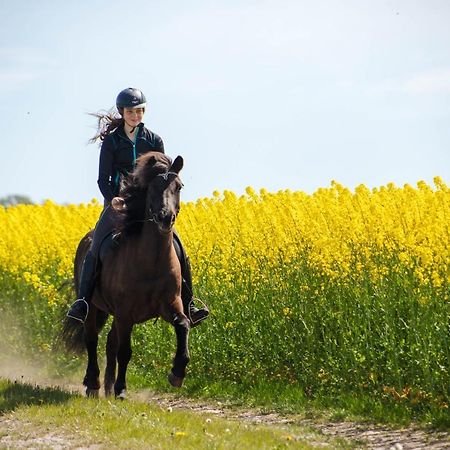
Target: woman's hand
[[118, 204]]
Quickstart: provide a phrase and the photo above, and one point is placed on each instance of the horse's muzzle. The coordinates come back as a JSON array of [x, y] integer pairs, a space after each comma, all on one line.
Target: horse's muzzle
[[165, 221]]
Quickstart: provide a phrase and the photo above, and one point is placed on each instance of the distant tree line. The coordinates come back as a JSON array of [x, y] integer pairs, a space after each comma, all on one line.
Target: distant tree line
[[15, 199]]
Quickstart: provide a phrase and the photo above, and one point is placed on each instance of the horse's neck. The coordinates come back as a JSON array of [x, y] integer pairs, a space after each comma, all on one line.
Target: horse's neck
[[157, 247]]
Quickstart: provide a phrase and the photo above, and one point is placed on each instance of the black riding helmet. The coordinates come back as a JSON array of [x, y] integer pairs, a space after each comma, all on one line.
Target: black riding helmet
[[130, 98]]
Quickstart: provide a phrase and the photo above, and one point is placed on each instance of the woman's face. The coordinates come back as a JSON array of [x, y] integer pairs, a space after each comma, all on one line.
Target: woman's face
[[133, 117]]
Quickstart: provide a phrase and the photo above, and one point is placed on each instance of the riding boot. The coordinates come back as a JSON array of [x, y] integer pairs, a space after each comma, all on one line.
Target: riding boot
[[194, 314], [79, 310]]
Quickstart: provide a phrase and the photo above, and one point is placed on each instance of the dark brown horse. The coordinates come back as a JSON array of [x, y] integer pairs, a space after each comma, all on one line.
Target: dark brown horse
[[140, 276]]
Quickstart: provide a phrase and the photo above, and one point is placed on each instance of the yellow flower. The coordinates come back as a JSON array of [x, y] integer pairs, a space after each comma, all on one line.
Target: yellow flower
[[340, 236]]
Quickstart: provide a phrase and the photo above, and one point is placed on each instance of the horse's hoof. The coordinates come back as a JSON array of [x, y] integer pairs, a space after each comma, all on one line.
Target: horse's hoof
[[92, 393], [174, 380], [108, 392], [122, 395]]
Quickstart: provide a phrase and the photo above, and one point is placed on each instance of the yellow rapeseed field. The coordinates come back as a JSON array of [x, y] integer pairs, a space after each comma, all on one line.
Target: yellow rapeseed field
[[329, 293], [340, 234]]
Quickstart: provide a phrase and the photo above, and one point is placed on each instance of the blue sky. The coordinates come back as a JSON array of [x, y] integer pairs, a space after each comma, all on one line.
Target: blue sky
[[274, 94]]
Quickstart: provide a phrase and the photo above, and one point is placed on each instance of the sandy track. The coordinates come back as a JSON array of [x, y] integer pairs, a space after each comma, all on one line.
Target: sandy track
[[367, 435]]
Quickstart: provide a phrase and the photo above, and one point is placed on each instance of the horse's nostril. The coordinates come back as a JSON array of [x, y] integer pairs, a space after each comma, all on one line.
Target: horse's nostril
[[166, 218]]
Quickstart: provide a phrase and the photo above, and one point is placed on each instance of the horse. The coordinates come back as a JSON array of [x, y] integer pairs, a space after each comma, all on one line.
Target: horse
[[146, 209]]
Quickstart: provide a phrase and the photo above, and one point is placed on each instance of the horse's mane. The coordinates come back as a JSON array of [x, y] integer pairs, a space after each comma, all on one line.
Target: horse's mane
[[133, 191]]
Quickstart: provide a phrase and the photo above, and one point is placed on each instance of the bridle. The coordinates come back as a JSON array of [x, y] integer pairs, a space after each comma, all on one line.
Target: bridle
[[165, 176]]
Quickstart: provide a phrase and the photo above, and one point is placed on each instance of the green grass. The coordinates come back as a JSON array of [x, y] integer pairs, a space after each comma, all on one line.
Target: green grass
[[118, 424], [375, 350]]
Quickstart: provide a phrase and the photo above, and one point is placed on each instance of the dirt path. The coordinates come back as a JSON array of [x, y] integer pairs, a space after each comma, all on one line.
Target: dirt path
[[371, 436], [14, 434]]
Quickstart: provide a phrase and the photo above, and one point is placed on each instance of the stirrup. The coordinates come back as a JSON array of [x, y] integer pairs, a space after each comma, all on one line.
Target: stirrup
[[72, 316], [199, 320]]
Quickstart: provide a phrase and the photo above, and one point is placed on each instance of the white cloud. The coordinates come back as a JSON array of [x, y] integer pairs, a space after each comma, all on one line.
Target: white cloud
[[12, 78], [24, 55], [435, 81]]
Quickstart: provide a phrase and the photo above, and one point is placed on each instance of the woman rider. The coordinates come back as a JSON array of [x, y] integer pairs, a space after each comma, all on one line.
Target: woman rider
[[125, 138]]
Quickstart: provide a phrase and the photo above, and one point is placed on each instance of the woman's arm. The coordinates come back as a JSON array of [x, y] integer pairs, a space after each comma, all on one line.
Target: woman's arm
[[159, 144], [106, 168]]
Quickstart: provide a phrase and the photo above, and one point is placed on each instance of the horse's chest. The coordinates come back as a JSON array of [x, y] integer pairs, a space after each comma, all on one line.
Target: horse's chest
[[144, 297]]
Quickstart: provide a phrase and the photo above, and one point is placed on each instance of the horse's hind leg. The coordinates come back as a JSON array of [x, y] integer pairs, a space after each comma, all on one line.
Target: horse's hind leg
[[181, 359], [123, 358], [91, 379], [111, 359]]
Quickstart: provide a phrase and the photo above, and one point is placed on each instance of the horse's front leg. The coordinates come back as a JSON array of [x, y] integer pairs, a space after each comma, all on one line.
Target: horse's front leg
[[91, 379], [111, 360], [123, 357], [181, 359]]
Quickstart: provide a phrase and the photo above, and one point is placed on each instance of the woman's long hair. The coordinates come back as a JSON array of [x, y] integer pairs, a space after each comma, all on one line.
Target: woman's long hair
[[107, 122]]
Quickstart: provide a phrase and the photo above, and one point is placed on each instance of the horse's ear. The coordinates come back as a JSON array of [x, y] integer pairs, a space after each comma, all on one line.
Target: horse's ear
[[151, 161], [177, 165]]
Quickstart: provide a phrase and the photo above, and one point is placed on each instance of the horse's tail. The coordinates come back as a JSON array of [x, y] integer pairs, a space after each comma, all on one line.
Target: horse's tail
[[72, 332], [72, 335]]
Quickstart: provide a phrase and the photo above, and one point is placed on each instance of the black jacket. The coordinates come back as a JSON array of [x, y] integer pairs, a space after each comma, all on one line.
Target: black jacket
[[118, 156]]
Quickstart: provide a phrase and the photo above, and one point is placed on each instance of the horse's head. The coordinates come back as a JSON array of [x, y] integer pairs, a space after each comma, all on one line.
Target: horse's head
[[150, 193], [156, 173], [163, 197]]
